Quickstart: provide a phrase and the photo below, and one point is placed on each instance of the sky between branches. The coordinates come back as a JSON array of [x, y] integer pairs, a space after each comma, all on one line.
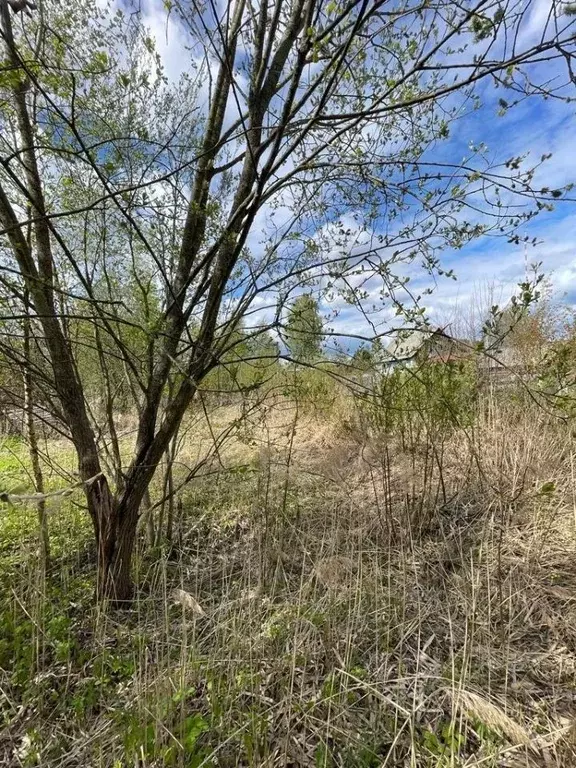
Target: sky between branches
[[534, 127]]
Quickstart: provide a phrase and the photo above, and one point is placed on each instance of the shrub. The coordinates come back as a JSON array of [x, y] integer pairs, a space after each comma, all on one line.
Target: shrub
[[431, 400]]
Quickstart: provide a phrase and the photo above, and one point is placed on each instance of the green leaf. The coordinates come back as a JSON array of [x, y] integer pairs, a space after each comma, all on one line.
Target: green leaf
[[548, 488]]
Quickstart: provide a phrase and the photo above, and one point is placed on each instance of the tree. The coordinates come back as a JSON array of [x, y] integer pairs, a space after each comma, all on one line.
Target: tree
[[248, 362], [522, 333], [320, 119], [363, 358], [304, 329]]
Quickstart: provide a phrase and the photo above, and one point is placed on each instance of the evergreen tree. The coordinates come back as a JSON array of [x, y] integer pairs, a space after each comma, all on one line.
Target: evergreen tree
[[304, 330]]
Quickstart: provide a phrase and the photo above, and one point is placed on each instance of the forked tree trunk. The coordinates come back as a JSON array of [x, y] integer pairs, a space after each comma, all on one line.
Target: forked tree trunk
[[115, 525], [114, 579]]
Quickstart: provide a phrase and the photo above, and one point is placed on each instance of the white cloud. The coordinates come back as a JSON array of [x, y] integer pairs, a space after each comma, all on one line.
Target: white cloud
[[170, 39]]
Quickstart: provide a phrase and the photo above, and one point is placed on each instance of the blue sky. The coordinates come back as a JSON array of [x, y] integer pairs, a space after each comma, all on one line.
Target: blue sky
[[535, 127], [488, 268]]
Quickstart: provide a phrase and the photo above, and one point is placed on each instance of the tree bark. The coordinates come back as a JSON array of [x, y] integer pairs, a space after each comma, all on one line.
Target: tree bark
[[44, 539], [115, 580], [115, 533]]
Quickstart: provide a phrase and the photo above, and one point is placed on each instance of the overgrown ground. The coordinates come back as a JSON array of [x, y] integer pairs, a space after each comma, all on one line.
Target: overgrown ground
[[336, 596]]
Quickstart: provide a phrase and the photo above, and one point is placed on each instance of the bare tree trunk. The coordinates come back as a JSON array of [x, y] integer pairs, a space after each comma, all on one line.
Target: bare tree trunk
[[170, 456], [167, 503], [109, 409], [115, 537], [115, 567], [116, 520], [34, 453], [148, 513]]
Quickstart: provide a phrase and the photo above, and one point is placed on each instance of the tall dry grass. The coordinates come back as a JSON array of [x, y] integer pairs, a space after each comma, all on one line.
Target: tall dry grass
[[335, 602]]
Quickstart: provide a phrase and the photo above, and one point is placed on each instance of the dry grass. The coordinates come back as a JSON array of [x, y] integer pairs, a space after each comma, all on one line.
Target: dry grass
[[339, 603]]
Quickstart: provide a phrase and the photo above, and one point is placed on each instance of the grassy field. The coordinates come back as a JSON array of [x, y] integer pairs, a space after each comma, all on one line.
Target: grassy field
[[336, 594]]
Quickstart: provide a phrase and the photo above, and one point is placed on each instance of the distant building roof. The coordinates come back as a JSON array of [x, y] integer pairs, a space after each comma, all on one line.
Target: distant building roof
[[406, 345], [439, 345]]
